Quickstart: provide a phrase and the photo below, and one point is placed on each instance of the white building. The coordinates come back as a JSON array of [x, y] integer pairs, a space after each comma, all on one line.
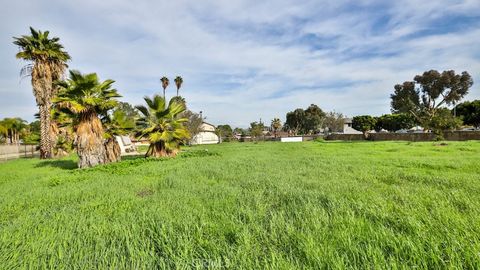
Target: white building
[[206, 135], [347, 127]]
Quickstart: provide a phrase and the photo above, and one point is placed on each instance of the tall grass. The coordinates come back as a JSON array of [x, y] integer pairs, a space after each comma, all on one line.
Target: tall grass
[[248, 206]]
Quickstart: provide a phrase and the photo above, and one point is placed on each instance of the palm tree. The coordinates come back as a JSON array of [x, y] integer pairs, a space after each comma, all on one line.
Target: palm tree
[[48, 65], [13, 127], [85, 97], [163, 126], [276, 125], [178, 82], [165, 83], [115, 124]]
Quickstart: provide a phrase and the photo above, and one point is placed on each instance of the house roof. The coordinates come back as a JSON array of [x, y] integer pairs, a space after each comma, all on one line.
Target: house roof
[[206, 123]]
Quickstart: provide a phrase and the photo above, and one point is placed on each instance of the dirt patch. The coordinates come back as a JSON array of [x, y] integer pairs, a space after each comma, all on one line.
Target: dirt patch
[[441, 144], [145, 192]]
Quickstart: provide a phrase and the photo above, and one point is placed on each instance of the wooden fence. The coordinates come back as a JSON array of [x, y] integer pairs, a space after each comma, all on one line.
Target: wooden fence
[[412, 137]]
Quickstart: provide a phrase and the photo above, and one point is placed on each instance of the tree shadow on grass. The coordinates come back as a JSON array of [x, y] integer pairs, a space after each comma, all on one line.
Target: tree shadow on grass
[[64, 164]]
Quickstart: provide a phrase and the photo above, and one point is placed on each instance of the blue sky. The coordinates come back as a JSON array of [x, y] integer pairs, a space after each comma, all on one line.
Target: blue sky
[[245, 60]]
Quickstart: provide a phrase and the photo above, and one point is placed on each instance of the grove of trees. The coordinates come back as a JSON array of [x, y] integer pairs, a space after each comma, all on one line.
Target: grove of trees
[[84, 113], [308, 121]]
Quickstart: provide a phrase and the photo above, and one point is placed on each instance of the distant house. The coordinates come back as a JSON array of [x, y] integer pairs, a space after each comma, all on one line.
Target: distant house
[[206, 135], [347, 127]]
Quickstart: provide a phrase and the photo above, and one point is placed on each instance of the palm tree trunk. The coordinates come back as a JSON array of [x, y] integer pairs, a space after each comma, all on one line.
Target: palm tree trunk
[[45, 139], [164, 93], [112, 150], [157, 150], [53, 134], [89, 141]]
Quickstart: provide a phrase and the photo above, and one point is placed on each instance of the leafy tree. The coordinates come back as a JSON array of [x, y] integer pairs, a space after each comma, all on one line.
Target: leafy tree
[[194, 123], [48, 60], [85, 97], [364, 123], [256, 129], [305, 121], [276, 126], [443, 120], [165, 83], [32, 134], [240, 131], [394, 122], [225, 132], [469, 111], [334, 121], [35, 126], [128, 110], [314, 119], [295, 121], [162, 125], [178, 82], [428, 93]]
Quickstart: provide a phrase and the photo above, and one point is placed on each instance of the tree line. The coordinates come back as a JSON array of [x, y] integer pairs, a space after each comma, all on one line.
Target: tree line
[[431, 100]]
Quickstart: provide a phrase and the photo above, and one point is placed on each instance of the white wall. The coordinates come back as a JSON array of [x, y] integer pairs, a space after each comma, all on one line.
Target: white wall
[[205, 138], [291, 139]]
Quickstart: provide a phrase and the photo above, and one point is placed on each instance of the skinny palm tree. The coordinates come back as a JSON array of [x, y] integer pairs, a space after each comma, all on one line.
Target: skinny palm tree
[[178, 82], [165, 83], [48, 64], [162, 125], [85, 97]]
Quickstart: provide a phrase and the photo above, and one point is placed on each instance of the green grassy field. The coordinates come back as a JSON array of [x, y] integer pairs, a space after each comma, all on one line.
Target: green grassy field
[[249, 206]]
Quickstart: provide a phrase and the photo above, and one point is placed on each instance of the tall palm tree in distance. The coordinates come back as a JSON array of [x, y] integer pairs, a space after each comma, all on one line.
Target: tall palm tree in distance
[[48, 64], [85, 97], [165, 83], [178, 83]]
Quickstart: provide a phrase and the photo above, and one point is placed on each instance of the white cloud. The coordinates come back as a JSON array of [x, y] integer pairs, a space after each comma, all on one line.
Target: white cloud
[[242, 60]]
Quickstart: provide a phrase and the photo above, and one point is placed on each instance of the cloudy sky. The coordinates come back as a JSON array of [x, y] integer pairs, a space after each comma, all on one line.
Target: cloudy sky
[[242, 60]]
